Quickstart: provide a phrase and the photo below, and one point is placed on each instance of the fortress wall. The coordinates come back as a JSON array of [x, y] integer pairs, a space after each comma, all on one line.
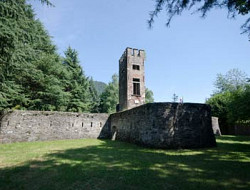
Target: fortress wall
[[18, 126], [165, 125], [215, 125], [158, 125]]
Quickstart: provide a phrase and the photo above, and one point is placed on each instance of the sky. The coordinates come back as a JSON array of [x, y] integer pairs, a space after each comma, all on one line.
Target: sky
[[184, 58]]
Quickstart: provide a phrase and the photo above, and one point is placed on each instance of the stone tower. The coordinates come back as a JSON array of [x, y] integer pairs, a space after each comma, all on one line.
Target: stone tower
[[131, 79]]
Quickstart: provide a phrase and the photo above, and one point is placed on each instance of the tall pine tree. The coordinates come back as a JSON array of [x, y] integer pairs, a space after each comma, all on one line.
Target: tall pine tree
[[32, 75], [95, 99], [23, 41], [77, 84]]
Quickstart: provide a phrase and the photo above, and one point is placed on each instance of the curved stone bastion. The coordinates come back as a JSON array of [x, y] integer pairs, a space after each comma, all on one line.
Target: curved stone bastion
[[157, 125], [165, 125]]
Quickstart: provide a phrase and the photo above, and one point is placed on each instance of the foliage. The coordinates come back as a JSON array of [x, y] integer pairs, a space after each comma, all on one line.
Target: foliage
[[220, 107], [233, 80], [106, 164], [23, 45], [240, 105], [175, 98], [149, 96], [176, 7], [32, 74], [47, 2], [77, 85], [44, 85], [109, 98], [232, 99], [99, 86], [95, 97]]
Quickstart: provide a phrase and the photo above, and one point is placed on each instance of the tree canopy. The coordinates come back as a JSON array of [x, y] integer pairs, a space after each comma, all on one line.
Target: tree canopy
[[232, 98], [175, 98], [110, 96], [47, 2], [77, 85], [32, 75], [176, 7], [149, 96], [99, 86], [25, 50], [231, 81]]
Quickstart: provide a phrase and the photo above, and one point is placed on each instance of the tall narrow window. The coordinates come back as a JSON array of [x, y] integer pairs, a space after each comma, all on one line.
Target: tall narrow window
[[136, 67], [136, 86]]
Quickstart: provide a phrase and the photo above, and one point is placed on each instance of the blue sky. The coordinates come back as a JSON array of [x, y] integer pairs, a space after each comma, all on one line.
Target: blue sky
[[183, 58]]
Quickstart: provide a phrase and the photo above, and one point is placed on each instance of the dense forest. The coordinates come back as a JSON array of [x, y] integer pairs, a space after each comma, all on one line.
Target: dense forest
[[34, 76]]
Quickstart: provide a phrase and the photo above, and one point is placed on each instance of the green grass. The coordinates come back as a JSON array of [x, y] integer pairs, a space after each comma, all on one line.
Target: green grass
[[103, 164]]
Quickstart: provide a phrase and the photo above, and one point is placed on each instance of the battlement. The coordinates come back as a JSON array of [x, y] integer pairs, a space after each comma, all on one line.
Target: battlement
[[132, 52], [135, 52]]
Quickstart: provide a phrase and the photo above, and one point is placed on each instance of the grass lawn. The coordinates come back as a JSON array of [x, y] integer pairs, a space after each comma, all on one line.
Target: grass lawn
[[104, 164]]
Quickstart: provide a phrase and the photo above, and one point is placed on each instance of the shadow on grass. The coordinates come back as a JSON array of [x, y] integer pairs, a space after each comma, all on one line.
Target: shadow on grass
[[117, 165]]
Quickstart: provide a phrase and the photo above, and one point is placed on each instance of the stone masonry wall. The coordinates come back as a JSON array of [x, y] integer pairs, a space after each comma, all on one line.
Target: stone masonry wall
[[158, 125], [126, 75], [215, 126], [123, 82], [18, 126], [135, 57], [165, 125]]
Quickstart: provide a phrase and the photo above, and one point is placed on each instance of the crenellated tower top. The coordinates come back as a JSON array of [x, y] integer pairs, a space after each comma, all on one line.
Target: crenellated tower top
[[131, 79]]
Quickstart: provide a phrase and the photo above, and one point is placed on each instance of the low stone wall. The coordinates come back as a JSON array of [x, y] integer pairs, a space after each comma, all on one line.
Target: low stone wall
[[165, 125], [215, 125], [18, 126]]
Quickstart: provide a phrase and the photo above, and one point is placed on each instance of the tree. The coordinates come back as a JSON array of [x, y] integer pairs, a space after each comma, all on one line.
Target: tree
[[220, 108], [149, 96], [233, 80], [77, 85], [95, 99], [175, 97], [232, 99], [109, 98], [176, 7], [99, 86], [47, 2], [32, 75], [239, 109], [45, 84], [23, 44]]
